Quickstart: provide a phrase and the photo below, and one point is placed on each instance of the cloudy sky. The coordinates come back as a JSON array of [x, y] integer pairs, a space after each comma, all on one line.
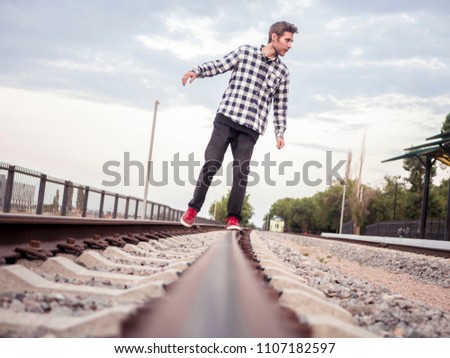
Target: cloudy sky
[[79, 81]]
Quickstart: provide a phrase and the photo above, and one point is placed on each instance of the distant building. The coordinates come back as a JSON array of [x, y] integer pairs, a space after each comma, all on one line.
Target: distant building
[[276, 224], [23, 196]]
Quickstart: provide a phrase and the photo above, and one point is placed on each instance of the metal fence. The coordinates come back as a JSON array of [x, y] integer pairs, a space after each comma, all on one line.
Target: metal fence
[[435, 229], [347, 228], [24, 191]]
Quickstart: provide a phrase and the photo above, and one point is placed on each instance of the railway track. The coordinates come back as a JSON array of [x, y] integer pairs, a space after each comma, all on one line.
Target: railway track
[[422, 247], [98, 278]]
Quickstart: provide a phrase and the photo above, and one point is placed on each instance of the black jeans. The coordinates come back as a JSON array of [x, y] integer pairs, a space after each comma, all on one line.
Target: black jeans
[[242, 145]]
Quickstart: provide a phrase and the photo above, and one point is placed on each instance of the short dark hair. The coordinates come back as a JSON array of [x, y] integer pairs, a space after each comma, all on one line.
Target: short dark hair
[[280, 27]]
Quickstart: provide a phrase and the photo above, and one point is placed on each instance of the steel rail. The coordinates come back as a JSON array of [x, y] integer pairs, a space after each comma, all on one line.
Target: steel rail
[[361, 240], [20, 234], [219, 296]]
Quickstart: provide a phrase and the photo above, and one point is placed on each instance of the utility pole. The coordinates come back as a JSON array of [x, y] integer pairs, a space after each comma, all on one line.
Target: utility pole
[[347, 172], [149, 162], [395, 200]]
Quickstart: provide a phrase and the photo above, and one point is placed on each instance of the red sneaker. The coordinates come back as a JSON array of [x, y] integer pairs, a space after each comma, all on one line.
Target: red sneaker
[[188, 218], [233, 223]]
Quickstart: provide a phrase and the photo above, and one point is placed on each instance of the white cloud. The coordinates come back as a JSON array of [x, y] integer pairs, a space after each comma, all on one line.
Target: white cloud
[[391, 122], [357, 51], [352, 25], [319, 97], [196, 37], [99, 62], [410, 63], [390, 100], [286, 8]]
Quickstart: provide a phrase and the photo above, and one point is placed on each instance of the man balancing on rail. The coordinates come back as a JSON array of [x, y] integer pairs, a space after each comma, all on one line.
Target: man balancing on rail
[[258, 79]]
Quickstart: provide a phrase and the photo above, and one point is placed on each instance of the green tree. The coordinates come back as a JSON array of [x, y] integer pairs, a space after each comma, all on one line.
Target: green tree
[[389, 202], [416, 169], [446, 124], [328, 206], [284, 209], [438, 200], [316, 214], [218, 209], [303, 215]]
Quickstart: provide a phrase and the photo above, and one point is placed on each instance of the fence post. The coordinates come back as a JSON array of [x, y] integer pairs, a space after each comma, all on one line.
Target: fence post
[[425, 197], [9, 189], [438, 230], [67, 186], [85, 202], [127, 206], [145, 216], [41, 195], [447, 216], [116, 203], [102, 202], [136, 209], [159, 212], [152, 211]]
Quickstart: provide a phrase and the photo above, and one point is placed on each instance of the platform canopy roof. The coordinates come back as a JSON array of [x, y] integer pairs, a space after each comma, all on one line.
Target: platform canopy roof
[[438, 148]]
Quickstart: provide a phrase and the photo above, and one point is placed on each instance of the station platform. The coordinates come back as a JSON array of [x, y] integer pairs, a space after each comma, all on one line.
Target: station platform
[[425, 244]]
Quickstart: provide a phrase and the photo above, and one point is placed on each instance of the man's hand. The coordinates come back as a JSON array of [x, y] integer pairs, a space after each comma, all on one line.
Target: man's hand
[[280, 142], [188, 76]]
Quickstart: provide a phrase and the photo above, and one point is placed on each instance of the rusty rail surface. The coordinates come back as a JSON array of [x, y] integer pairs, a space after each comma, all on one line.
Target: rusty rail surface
[[219, 296], [31, 236]]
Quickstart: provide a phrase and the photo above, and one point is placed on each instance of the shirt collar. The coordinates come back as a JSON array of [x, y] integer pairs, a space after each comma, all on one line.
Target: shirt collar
[[266, 59]]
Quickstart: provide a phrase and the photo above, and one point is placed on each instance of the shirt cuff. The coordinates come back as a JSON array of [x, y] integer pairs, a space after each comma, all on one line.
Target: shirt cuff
[[196, 70]]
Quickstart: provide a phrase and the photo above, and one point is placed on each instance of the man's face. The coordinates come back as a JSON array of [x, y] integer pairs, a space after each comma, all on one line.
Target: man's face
[[283, 43]]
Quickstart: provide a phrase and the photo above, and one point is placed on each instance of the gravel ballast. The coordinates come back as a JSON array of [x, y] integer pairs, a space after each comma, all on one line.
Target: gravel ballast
[[390, 293]]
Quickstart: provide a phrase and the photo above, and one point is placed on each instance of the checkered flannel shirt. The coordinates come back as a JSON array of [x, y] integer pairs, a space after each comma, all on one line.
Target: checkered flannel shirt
[[255, 83]]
